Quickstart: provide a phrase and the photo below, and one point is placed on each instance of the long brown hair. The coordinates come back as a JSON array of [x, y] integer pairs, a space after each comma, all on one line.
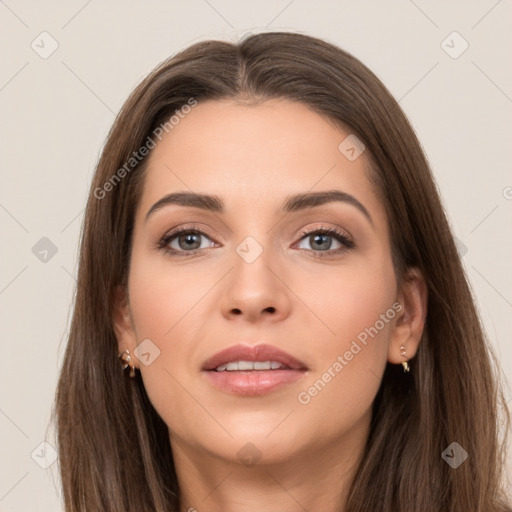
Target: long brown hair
[[115, 452]]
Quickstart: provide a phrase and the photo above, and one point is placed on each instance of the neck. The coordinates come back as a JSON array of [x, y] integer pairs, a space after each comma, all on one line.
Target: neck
[[318, 478]]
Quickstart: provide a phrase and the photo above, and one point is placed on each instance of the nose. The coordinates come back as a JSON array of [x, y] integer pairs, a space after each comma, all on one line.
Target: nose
[[256, 291]]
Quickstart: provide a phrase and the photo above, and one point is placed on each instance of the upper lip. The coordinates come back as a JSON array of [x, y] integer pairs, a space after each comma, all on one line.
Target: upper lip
[[260, 352]]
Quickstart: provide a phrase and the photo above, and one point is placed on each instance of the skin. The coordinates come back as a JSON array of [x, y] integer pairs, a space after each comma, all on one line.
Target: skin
[[193, 306]]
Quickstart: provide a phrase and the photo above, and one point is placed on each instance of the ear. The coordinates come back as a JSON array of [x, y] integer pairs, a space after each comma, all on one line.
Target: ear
[[122, 322], [410, 322]]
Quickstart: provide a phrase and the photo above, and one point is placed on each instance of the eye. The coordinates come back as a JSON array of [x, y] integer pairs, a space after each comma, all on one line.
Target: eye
[[321, 240], [184, 240]]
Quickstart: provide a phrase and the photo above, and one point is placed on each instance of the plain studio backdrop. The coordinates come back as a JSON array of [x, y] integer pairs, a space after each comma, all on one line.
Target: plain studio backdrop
[[67, 67]]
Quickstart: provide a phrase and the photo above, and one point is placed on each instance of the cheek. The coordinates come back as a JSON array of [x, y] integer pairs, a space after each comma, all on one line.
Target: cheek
[[163, 298], [356, 308], [168, 308], [348, 299]]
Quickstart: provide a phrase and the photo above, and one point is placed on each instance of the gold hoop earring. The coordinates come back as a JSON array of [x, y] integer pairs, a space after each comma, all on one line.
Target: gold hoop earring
[[125, 362], [405, 364]]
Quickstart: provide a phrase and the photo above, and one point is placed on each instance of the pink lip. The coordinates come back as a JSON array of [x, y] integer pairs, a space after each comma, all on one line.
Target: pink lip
[[253, 382], [253, 353]]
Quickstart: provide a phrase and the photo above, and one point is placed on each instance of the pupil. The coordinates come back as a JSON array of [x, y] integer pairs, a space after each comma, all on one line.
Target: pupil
[[190, 239], [323, 245]]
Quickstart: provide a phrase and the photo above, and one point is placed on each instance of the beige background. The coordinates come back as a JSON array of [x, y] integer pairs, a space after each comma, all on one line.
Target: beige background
[[56, 112]]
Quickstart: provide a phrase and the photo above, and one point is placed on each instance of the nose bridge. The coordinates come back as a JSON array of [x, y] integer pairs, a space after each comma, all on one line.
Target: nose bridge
[[252, 262], [255, 285]]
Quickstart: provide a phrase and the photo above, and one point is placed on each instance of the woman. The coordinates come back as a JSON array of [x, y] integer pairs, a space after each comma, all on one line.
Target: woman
[[318, 348]]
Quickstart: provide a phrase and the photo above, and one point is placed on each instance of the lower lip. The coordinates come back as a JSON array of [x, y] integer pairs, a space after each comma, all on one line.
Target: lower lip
[[253, 383]]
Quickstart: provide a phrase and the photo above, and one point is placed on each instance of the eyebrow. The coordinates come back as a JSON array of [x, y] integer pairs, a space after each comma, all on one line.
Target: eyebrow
[[292, 203]]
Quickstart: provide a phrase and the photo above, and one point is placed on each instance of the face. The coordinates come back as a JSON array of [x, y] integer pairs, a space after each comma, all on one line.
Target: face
[[312, 278]]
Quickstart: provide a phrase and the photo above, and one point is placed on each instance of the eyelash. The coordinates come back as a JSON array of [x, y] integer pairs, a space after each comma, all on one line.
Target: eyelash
[[342, 237], [163, 243]]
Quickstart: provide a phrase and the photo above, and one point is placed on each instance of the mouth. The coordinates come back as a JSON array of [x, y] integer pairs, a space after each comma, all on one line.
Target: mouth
[[252, 370]]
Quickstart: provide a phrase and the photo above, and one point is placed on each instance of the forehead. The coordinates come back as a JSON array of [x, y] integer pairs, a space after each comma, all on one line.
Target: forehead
[[256, 155]]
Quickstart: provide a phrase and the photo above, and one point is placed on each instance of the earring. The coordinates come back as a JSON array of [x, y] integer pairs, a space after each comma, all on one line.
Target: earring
[[125, 361], [405, 364]]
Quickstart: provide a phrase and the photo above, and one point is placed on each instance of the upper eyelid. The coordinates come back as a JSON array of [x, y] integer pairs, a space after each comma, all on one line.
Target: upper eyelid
[[202, 231], [173, 232], [329, 229]]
